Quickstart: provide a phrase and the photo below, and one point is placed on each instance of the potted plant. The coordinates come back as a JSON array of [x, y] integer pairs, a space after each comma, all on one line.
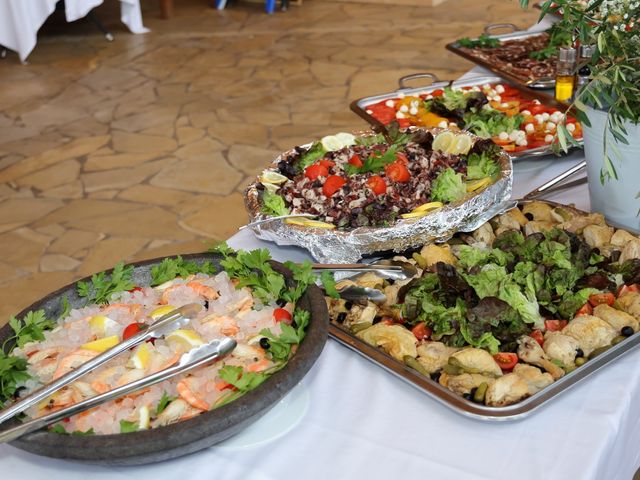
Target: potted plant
[[609, 105]]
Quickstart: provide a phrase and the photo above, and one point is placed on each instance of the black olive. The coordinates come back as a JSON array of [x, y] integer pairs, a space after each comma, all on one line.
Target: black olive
[[529, 216], [341, 317], [376, 320], [348, 305], [467, 396], [627, 331], [206, 304], [579, 353], [472, 393], [264, 343], [435, 376], [615, 255], [316, 184], [281, 303]]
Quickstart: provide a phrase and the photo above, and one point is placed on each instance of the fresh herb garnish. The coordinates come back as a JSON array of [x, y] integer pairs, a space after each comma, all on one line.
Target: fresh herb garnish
[[81, 433], [164, 401], [103, 286], [273, 204], [241, 380], [59, 429], [315, 153], [128, 427], [483, 41], [280, 346], [329, 284], [171, 268], [32, 327], [13, 370], [66, 308], [559, 36]]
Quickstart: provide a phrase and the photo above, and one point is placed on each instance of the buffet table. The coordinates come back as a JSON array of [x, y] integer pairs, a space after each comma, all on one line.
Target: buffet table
[[20, 20]]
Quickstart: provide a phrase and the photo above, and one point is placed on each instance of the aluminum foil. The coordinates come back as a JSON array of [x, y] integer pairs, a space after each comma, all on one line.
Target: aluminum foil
[[348, 246]]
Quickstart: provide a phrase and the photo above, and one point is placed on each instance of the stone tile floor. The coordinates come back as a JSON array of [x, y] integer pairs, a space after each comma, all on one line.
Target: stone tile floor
[[142, 147]]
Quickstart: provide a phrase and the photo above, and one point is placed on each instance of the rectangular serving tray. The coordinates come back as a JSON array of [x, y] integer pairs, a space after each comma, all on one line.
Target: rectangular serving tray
[[458, 404], [517, 35], [359, 106]]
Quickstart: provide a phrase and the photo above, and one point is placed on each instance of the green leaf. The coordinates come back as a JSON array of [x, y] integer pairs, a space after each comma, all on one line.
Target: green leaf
[[66, 308], [329, 284], [128, 427], [273, 204], [164, 401], [103, 286], [243, 380], [59, 429], [171, 268], [312, 155], [81, 433], [448, 186]]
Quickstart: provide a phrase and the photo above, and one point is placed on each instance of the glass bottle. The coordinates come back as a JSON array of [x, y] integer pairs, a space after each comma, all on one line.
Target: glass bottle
[[565, 68], [584, 72]]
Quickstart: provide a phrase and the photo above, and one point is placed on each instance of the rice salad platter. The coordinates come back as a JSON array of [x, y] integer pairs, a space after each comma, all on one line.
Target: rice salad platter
[[245, 297]]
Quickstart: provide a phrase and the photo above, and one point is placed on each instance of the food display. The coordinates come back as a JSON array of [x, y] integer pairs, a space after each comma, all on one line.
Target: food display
[[518, 122], [524, 57], [501, 313], [348, 182], [243, 297]]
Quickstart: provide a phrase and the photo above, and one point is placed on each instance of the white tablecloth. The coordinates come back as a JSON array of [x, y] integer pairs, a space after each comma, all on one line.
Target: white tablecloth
[[20, 20]]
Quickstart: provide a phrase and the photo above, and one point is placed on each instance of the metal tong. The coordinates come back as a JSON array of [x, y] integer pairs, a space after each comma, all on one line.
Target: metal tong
[[192, 359], [175, 319], [387, 268]]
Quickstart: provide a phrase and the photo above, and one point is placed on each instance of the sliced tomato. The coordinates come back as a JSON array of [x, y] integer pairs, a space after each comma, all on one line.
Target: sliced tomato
[[327, 163], [377, 184], [404, 122], [437, 93], [332, 185], [355, 160], [555, 325], [398, 172], [132, 329], [506, 360], [628, 288], [402, 158], [586, 309], [282, 315], [538, 336], [421, 331], [382, 113], [607, 298], [536, 109], [316, 170]]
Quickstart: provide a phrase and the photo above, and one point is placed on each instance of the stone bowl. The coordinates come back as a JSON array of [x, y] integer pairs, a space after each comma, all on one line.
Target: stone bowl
[[191, 435]]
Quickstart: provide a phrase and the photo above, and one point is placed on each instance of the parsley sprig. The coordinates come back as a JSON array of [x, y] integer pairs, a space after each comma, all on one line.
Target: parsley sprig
[[241, 380], [102, 286], [163, 403], [280, 346], [329, 284], [171, 268]]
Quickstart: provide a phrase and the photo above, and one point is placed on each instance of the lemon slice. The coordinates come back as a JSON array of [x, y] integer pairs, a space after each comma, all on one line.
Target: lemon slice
[[100, 324], [140, 358], [443, 141], [414, 214], [102, 344], [305, 222], [478, 184], [331, 143], [184, 339], [269, 176], [161, 311], [346, 139], [427, 207], [461, 145], [271, 187], [144, 418]]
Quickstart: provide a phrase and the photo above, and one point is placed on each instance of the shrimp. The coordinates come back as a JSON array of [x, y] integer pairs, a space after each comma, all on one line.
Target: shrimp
[[255, 355], [225, 323], [185, 390], [99, 386], [204, 290], [176, 410], [130, 376], [82, 391], [72, 361], [133, 308]]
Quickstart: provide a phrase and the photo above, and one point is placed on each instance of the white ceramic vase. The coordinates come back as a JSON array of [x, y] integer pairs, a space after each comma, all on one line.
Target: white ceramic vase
[[616, 199]]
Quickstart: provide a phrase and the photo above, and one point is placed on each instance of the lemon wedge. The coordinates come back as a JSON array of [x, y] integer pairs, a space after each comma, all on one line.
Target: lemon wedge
[[270, 187], [140, 358], [331, 143], [100, 324], [461, 145], [414, 214], [161, 311], [102, 344], [346, 139], [443, 141], [427, 207], [305, 222], [478, 184], [184, 339], [144, 418], [269, 176]]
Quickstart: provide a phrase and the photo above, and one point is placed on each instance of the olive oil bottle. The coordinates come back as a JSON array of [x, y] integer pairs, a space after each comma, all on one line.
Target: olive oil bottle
[[565, 74]]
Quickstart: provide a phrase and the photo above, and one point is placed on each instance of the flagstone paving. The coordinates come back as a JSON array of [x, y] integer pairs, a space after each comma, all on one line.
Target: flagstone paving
[[142, 147]]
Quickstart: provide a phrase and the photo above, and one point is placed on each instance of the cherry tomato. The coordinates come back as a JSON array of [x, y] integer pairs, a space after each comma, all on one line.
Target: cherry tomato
[[327, 163], [555, 325], [538, 336], [316, 170], [332, 185], [628, 288], [536, 109], [132, 329], [398, 172], [282, 315], [377, 184], [607, 298], [404, 122], [437, 93], [402, 158], [355, 161], [586, 309], [421, 331], [506, 360]]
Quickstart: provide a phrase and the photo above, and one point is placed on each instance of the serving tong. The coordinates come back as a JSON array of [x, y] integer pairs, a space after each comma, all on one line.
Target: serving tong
[[173, 320]]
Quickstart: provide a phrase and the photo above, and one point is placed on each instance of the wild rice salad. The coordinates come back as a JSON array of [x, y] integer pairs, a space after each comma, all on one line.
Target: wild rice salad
[[350, 182], [247, 301]]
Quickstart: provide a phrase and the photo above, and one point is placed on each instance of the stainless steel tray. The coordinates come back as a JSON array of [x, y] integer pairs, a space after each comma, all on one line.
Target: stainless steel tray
[[517, 34], [458, 404], [359, 106]]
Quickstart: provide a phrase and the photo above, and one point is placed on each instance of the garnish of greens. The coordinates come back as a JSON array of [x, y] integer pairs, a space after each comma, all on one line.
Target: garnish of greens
[[495, 295], [489, 123], [59, 429], [481, 165], [103, 285], [273, 204], [559, 36], [448, 186], [483, 41], [455, 103], [329, 284], [171, 268]]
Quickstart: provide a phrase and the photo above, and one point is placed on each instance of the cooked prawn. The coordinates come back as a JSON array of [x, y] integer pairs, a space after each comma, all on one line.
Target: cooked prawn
[[204, 290], [176, 410], [133, 308], [227, 324], [72, 361], [185, 391]]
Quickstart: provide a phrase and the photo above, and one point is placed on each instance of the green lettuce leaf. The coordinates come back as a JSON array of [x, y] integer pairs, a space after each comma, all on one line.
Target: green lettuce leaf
[[448, 186], [273, 204]]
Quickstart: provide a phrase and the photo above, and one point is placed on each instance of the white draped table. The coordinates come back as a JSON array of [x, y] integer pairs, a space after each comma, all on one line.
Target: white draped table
[[20, 20], [363, 423]]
